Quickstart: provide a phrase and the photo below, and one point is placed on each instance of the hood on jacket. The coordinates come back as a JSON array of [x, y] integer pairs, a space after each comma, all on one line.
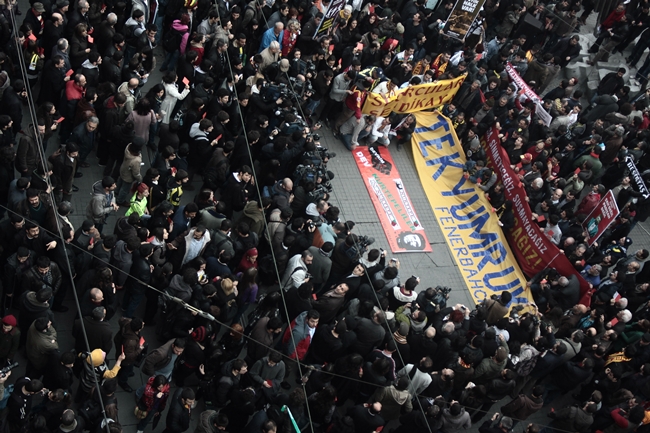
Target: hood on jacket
[[98, 189], [252, 211], [96, 357], [120, 252], [179, 27], [180, 288], [195, 131], [275, 216], [33, 305], [124, 88]]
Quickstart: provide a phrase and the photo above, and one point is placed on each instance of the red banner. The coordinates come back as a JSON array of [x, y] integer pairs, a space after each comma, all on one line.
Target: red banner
[[533, 249], [394, 208], [601, 217]]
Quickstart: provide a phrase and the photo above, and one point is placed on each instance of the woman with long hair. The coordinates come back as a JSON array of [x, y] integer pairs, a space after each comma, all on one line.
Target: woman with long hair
[[157, 190], [172, 96], [205, 199], [159, 236], [79, 49], [153, 400], [155, 95], [197, 43], [56, 403], [290, 37], [47, 113], [247, 291], [142, 117]]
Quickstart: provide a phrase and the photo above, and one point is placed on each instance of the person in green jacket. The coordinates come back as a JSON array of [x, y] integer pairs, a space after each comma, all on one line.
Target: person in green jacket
[[138, 203]]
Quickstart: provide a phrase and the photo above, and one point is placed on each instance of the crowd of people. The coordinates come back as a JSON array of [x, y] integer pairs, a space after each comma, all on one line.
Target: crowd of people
[[268, 310]]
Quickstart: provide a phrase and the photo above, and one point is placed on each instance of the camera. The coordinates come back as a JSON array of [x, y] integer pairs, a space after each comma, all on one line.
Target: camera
[[7, 369], [437, 297], [359, 248]]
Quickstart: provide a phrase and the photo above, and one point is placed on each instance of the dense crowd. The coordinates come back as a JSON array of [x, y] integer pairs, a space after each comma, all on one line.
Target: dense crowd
[[268, 311]]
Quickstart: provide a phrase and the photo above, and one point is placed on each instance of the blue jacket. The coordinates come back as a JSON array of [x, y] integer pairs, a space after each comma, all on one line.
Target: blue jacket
[[268, 37]]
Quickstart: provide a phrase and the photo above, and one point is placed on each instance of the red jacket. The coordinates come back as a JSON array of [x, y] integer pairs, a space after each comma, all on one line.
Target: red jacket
[[149, 396], [355, 102], [298, 345], [73, 91]]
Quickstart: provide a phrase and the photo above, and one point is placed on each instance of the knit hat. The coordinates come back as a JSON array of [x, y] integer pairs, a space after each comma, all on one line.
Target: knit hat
[[527, 157], [400, 28], [97, 357], [198, 334], [9, 320]]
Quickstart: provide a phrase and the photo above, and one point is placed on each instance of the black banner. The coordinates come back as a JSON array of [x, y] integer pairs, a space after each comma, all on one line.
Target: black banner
[[462, 17]]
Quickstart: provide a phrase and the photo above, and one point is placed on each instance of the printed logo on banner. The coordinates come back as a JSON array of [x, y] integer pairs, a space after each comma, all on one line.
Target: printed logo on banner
[[603, 215], [470, 227], [392, 204]]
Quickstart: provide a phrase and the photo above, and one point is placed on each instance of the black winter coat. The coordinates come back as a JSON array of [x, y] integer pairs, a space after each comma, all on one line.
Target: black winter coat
[[178, 417]]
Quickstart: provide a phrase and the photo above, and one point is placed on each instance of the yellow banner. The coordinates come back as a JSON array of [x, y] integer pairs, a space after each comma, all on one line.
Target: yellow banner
[[465, 215], [413, 98]]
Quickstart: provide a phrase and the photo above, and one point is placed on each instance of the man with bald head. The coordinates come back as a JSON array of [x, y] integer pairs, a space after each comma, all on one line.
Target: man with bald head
[[92, 299], [52, 32], [282, 194], [130, 90], [422, 343], [105, 32]]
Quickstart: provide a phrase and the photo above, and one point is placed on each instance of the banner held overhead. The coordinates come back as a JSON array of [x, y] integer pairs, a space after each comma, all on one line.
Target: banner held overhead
[[603, 215], [471, 228], [462, 17], [413, 98], [533, 249], [329, 17], [393, 205]]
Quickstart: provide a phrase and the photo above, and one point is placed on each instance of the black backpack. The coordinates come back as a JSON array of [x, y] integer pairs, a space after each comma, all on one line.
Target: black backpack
[[172, 40]]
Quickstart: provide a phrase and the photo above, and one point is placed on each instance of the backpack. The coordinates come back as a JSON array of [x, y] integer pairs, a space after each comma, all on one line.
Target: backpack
[[172, 40], [524, 368], [180, 114]]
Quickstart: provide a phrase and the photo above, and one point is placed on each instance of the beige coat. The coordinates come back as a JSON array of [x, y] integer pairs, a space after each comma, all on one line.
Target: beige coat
[[130, 168], [393, 402]]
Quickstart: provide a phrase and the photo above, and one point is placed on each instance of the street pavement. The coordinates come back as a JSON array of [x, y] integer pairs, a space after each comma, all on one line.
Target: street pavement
[[350, 195]]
